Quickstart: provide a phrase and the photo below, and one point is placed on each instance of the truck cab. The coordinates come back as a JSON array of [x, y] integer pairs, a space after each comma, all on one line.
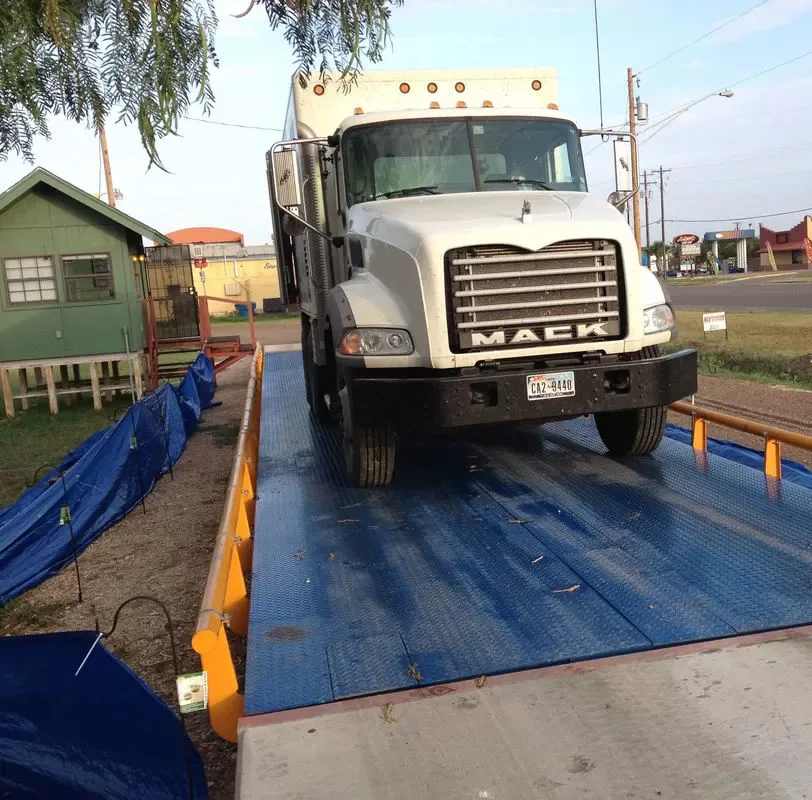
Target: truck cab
[[453, 270]]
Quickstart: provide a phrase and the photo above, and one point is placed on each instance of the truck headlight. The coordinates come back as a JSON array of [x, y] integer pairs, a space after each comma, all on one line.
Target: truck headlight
[[658, 318], [376, 342]]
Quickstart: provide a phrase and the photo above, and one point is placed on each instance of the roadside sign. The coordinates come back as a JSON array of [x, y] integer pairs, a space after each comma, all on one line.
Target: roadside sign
[[715, 321], [692, 249], [686, 238]]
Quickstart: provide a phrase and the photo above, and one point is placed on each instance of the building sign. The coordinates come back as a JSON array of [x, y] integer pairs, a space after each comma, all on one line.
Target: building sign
[[744, 233], [693, 249], [686, 238], [715, 321]]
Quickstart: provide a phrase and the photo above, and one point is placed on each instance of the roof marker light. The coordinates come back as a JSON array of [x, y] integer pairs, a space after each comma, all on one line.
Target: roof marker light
[[405, 88], [553, 106], [358, 110], [318, 90], [461, 104], [536, 85], [459, 87], [487, 104], [434, 104], [432, 87]]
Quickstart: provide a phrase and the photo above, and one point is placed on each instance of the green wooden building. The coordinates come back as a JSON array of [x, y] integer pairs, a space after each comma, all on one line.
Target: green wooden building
[[71, 270]]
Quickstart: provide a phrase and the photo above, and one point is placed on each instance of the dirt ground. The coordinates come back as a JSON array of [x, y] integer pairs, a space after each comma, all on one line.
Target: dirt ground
[[165, 550]]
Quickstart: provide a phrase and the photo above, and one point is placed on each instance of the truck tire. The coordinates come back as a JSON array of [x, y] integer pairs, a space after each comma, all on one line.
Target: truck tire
[[637, 432], [369, 450], [314, 384]]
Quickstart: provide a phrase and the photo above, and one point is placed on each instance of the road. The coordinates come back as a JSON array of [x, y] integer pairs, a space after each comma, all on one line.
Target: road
[[762, 293]]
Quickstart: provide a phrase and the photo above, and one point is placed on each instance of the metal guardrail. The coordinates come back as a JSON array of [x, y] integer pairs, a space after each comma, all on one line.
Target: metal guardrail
[[773, 437], [225, 599]]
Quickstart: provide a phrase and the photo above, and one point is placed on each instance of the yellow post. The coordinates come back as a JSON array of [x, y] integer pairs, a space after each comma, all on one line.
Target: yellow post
[[699, 437], [235, 602], [226, 705], [772, 457]]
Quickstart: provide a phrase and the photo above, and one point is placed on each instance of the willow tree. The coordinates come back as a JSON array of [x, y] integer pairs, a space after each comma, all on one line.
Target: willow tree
[[146, 62]]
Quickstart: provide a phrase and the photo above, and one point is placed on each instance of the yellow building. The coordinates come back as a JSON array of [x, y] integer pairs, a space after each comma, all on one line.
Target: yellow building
[[224, 266]]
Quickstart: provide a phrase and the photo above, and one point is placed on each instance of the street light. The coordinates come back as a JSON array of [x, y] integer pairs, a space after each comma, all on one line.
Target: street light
[[668, 120]]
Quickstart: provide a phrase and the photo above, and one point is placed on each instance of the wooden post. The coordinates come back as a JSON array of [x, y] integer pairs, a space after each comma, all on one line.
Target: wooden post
[[38, 381], [108, 395], [116, 379], [135, 366], [65, 384], [49, 380], [94, 383], [77, 375], [23, 375], [8, 401]]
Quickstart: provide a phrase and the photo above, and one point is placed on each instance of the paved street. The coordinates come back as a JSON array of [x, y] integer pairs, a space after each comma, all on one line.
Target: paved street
[[762, 293]]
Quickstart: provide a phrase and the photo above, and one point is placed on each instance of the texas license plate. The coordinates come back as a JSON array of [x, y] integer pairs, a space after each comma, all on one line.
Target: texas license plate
[[551, 386]]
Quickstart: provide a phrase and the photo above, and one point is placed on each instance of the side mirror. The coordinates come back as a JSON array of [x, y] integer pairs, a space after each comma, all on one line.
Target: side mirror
[[287, 186], [619, 200]]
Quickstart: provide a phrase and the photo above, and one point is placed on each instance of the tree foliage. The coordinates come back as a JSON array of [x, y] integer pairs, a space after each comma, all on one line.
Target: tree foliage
[[145, 62]]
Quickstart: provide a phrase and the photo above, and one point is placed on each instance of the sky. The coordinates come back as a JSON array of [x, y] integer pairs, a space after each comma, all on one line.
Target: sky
[[734, 159]]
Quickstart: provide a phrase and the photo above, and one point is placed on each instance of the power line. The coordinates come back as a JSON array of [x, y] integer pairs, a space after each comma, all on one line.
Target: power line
[[704, 36], [232, 124], [739, 216]]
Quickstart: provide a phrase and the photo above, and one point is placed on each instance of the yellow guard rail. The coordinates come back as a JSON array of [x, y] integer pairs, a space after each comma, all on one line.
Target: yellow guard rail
[[225, 600], [773, 437]]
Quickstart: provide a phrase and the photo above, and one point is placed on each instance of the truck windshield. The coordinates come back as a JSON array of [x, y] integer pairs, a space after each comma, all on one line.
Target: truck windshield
[[403, 159]]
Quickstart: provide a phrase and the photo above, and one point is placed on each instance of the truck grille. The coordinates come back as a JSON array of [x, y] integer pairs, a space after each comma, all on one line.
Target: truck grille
[[502, 295]]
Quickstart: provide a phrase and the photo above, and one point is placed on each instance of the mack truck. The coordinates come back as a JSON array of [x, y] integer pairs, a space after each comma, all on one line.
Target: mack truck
[[452, 269]]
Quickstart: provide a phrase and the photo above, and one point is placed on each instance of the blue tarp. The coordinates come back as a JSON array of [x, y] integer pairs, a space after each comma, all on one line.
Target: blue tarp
[[103, 734], [791, 471], [104, 478]]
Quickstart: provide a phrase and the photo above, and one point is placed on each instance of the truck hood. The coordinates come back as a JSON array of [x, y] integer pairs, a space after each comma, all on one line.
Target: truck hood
[[452, 220]]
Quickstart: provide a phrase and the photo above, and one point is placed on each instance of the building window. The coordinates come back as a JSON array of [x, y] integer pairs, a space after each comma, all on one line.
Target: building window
[[88, 277], [781, 238], [30, 280], [797, 257]]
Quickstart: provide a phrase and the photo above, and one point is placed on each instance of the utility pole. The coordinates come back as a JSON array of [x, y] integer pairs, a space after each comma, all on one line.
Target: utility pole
[[636, 185], [111, 193], [645, 200], [662, 216]]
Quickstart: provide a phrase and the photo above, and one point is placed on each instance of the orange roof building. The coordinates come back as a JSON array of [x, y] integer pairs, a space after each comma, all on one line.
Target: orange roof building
[[206, 236]]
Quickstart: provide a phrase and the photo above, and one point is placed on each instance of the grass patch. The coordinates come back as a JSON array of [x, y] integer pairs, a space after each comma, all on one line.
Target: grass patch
[[35, 437], [767, 347], [19, 615], [261, 319]]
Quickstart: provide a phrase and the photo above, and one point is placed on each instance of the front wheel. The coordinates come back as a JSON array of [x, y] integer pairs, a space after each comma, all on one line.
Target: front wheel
[[636, 432], [369, 450]]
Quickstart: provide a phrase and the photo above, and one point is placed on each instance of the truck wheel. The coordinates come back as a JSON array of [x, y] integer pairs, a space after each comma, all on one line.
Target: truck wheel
[[314, 385], [369, 451], [636, 432]]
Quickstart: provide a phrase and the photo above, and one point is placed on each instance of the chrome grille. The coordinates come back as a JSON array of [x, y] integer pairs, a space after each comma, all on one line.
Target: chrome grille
[[566, 292]]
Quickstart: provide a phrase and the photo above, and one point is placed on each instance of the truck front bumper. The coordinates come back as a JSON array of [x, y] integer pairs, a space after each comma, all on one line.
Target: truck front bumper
[[437, 401]]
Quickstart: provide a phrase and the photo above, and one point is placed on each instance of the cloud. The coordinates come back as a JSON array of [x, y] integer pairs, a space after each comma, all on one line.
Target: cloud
[[772, 15]]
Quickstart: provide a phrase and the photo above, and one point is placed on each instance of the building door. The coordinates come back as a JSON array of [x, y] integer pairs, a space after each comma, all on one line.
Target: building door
[[171, 288]]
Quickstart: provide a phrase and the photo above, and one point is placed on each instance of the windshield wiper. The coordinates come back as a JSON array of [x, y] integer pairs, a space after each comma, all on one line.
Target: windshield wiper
[[407, 192], [521, 182]]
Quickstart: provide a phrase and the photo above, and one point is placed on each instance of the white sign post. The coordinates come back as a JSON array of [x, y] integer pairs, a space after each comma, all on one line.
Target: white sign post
[[715, 321]]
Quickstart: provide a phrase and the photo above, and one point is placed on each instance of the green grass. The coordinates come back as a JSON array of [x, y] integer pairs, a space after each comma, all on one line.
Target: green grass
[[762, 346], [35, 437], [261, 319]]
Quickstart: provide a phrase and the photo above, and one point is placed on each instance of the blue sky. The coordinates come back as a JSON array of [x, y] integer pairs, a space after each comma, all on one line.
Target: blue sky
[[731, 159]]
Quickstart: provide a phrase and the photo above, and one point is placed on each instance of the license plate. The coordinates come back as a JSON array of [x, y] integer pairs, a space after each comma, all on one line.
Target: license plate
[[551, 386]]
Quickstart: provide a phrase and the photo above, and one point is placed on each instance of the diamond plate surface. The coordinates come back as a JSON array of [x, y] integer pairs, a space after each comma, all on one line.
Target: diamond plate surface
[[463, 567]]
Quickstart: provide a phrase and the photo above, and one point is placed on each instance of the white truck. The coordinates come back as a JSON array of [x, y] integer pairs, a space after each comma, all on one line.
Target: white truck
[[452, 269]]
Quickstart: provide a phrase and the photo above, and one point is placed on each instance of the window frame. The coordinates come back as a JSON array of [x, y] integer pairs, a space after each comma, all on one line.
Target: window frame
[[26, 304], [66, 277]]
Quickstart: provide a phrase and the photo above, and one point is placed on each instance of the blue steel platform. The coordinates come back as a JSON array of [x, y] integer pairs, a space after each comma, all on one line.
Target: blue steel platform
[[498, 551]]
